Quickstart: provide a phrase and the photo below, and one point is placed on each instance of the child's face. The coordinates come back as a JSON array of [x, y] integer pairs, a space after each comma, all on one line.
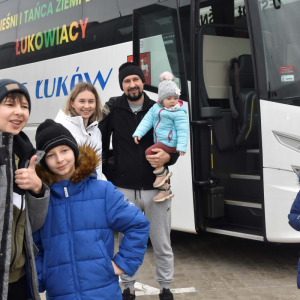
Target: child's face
[[170, 101], [61, 162], [84, 104], [14, 115]]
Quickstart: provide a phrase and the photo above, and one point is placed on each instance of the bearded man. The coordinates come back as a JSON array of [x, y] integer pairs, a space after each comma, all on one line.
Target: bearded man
[[133, 172]]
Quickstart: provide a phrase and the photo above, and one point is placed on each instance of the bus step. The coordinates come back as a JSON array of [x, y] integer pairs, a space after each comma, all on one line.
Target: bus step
[[245, 176], [245, 216], [245, 186], [243, 203], [237, 231], [253, 151]]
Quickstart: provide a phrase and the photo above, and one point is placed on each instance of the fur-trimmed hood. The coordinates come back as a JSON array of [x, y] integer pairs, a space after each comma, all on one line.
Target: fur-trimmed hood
[[87, 163]]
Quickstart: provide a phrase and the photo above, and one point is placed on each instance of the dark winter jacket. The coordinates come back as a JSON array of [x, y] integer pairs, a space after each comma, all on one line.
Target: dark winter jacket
[[131, 168], [76, 242], [35, 210]]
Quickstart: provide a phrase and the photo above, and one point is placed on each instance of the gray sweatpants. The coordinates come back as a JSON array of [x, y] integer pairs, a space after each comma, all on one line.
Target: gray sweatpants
[[159, 216]]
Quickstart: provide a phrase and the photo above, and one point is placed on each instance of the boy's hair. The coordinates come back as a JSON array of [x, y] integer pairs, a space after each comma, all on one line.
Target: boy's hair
[[77, 89], [15, 97]]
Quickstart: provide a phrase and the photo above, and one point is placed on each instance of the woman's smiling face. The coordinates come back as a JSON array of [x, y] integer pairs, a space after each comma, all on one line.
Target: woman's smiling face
[[84, 104]]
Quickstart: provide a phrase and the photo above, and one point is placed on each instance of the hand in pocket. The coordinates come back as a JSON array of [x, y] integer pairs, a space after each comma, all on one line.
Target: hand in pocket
[[117, 270]]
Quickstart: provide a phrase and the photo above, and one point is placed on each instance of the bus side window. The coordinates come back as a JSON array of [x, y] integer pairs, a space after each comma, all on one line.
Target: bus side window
[[159, 44]]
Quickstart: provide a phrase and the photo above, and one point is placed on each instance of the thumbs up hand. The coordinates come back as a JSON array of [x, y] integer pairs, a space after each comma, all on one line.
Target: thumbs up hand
[[27, 179]]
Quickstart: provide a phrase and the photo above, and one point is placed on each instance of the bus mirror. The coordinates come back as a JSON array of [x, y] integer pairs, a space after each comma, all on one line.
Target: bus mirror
[[277, 4]]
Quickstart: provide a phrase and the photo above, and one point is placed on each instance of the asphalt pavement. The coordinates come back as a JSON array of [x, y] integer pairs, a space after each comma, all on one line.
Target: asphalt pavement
[[210, 266]]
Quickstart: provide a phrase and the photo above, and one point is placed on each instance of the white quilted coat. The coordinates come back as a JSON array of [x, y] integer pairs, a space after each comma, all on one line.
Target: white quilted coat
[[90, 135]]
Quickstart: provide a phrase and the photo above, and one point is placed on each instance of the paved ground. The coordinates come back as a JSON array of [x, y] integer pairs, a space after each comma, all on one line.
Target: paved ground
[[221, 267]]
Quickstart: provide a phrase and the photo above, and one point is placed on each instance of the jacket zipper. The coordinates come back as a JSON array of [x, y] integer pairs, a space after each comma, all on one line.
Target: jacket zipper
[[70, 234], [141, 153], [170, 136], [157, 125], [15, 234]]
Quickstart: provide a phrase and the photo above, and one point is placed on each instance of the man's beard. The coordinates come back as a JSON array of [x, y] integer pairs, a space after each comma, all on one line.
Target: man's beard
[[134, 98]]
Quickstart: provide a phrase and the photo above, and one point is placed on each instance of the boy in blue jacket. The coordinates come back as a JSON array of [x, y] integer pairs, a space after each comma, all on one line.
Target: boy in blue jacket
[[169, 120], [76, 243]]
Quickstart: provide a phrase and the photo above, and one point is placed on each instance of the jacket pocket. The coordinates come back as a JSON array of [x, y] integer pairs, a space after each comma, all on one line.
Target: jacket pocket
[[170, 136], [109, 265]]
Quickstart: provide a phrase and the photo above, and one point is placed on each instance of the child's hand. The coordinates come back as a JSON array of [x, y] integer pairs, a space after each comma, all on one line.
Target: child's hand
[[181, 153], [136, 139], [117, 270], [26, 179]]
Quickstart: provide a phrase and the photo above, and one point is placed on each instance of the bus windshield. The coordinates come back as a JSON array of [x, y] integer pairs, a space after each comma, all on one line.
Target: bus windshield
[[281, 40]]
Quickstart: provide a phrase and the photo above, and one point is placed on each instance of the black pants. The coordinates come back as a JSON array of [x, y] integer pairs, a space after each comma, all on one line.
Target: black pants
[[18, 290]]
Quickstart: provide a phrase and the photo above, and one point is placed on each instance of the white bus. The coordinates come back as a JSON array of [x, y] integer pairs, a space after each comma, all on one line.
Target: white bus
[[238, 64]]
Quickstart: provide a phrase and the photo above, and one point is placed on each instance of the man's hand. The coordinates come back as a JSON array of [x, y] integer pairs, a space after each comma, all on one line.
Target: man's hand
[[159, 159], [181, 153], [136, 139], [26, 179], [117, 270]]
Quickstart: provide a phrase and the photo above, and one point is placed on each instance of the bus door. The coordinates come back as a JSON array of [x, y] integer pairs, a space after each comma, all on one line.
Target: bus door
[[226, 129], [157, 47]]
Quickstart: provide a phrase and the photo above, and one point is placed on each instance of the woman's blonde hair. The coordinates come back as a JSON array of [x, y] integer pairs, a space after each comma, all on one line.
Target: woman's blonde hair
[[77, 89]]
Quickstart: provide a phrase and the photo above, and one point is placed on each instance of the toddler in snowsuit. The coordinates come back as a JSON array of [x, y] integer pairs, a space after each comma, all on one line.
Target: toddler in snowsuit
[[76, 244], [169, 120]]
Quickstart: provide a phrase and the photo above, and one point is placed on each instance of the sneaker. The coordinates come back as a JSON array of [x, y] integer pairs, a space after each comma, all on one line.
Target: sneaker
[[162, 175], [159, 170], [164, 193], [127, 296], [166, 295]]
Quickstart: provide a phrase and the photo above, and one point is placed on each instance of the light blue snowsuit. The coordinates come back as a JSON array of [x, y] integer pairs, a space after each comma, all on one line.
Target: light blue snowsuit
[[170, 127]]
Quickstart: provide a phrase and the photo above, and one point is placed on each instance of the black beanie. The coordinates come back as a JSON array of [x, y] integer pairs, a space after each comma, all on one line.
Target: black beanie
[[51, 134], [130, 68], [11, 86]]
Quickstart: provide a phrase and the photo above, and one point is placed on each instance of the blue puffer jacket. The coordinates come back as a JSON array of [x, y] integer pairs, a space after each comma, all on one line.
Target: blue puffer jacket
[[170, 127], [76, 243], [294, 221]]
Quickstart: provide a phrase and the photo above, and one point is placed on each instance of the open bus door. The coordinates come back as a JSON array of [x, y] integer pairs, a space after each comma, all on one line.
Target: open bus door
[[227, 63], [226, 120], [218, 184], [157, 47]]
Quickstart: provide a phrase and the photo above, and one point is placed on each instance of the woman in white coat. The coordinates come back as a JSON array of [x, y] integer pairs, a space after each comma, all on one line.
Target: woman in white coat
[[81, 114]]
